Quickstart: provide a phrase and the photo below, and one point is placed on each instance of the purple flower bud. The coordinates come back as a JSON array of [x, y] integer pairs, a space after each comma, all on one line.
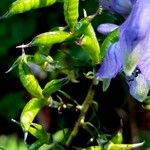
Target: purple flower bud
[[106, 28], [111, 65]]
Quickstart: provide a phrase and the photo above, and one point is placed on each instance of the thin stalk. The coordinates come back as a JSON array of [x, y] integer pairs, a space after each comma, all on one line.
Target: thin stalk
[[84, 108]]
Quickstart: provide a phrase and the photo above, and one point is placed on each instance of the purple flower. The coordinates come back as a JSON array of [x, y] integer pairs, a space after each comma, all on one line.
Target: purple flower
[[131, 52], [122, 7], [106, 28]]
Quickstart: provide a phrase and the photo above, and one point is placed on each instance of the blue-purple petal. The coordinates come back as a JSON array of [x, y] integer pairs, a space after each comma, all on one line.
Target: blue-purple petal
[[144, 66], [112, 63], [106, 28], [122, 7], [139, 87], [106, 4], [133, 1], [135, 35]]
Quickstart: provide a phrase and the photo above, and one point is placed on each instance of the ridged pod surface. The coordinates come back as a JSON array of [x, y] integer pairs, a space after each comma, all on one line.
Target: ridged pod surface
[[21, 6], [90, 44], [71, 12], [29, 81], [30, 111], [50, 38]]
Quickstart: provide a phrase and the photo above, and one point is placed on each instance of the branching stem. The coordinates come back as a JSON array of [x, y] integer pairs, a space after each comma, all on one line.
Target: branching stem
[[84, 108]]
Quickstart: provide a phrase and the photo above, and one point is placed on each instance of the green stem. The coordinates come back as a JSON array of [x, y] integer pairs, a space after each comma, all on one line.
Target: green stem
[[84, 108]]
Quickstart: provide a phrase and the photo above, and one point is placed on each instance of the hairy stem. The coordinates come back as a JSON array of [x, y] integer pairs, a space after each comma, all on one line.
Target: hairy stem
[[84, 108]]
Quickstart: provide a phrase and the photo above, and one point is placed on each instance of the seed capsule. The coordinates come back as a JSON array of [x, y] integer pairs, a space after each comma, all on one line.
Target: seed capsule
[[28, 80], [30, 111], [48, 39], [21, 6], [90, 44], [71, 12]]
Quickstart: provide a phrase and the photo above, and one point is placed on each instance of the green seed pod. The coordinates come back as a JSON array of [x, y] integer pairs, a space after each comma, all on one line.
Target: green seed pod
[[21, 6], [30, 111], [82, 25], [71, 12], [51, 38], [91, 49], [90, 44], [28, 80], [110, 39], [48, 39], [53, 86]]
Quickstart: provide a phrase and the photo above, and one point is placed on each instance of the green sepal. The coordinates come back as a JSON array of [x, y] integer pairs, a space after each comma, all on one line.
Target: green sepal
[[110, 39], [39, 132]]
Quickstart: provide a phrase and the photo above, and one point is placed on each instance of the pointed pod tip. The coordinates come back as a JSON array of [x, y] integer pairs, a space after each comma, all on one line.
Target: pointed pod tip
[[25, 136], [13, 120], [8, 71], [138, 144], [84, 13], [24, 45], [4, 16]]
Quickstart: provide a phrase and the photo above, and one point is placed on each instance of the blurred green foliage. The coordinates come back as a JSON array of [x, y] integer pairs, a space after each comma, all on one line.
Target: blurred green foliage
[[11, 143], [12, 104], [14, 30]]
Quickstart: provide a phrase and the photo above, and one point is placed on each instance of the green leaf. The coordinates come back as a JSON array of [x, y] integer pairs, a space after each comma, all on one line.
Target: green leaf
[[39, 132]]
